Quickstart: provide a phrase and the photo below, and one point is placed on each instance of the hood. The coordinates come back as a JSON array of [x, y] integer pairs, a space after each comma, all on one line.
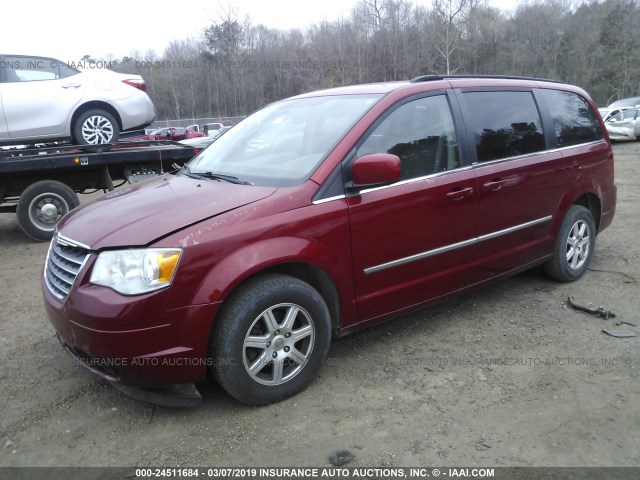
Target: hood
[[136, 215]]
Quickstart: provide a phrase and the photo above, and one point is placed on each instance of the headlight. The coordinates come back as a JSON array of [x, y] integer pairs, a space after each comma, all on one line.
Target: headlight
[[133, 272]]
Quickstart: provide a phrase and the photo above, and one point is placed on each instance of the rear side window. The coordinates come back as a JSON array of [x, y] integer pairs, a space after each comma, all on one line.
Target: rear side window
[[573, 120], [33, 69], [504, 124]]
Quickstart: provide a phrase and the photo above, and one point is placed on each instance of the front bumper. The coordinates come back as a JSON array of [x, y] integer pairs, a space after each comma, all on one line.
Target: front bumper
[[133, 341]]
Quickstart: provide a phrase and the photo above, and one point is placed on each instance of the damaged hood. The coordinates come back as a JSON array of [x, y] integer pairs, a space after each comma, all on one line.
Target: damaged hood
[[138, 214]]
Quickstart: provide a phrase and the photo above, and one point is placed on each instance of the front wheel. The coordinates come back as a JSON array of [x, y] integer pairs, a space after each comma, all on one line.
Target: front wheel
[[42, 205], [270, 339], [95, 127], [574, 245]]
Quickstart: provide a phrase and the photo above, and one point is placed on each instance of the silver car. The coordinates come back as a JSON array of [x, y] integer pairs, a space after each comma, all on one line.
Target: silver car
[[624, 125], [43, 99]]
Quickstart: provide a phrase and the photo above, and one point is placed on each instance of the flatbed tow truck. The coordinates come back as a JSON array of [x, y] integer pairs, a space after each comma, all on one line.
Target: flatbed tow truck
[[40, 185]]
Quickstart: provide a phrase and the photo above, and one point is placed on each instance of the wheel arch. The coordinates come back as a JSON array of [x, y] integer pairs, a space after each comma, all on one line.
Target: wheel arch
[[291, 256], [591, 202], [93, 105], [585, 193], [304, 271], [314, 276]]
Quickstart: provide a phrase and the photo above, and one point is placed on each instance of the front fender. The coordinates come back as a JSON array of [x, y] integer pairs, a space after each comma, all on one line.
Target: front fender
[[236, 246], [251, 259]]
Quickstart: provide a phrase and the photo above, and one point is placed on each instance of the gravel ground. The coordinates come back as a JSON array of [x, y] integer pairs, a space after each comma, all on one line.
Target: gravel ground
[[507, 376]]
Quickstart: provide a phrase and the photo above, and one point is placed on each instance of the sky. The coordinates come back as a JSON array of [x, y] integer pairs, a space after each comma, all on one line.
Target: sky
[[68, 30]]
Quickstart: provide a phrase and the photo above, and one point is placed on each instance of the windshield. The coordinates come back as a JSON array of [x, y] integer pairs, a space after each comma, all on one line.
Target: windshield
[[283, 144]]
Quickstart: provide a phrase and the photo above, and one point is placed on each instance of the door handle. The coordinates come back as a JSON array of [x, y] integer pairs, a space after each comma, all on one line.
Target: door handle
[[460, 193], [71, 85], [494, 185]]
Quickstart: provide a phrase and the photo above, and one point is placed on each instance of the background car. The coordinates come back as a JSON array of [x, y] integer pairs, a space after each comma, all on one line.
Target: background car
[[625, 102], [175, 134], [217, 133], [168, 133], [44, 99], [199, 142], [211, 128], [623, 124], [615, 107]]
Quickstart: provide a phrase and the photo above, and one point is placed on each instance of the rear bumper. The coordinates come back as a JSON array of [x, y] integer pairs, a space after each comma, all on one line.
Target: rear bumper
[[137, 111]]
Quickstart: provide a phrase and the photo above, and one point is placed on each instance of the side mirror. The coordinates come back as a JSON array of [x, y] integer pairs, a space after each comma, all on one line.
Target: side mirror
[[374, 170]]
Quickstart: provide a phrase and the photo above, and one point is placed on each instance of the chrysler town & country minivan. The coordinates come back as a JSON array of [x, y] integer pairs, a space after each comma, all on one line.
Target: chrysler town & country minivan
[[321, 214]]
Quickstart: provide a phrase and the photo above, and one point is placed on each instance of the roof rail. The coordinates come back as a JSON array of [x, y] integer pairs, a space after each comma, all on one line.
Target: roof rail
[[431, 78]]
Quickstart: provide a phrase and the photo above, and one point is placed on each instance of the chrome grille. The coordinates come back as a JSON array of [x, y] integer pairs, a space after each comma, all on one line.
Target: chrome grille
[[65, 259]]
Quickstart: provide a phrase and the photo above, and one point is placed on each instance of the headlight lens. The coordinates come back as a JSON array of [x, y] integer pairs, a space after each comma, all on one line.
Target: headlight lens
[[133, 272]]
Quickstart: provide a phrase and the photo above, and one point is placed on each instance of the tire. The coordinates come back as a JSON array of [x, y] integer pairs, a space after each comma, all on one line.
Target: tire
[[42, 205], [95, 127], [574, 245], [270, 318]]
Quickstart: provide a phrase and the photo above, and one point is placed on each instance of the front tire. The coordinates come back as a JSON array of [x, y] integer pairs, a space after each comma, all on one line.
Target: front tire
[[95, 127], [42, 205], [270, 339], [574, 245]]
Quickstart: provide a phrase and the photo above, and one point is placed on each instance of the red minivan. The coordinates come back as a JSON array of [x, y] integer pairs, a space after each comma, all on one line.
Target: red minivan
[[321, 214]]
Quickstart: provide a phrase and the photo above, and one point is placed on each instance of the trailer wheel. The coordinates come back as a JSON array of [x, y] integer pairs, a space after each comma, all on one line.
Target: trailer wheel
[[42, 205]]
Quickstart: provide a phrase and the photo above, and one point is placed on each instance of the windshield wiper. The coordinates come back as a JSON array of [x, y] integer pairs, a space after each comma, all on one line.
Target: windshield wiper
[[219, 176], [185, 170]]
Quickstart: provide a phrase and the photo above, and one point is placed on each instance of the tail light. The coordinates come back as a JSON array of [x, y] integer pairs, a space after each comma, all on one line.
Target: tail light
[[138, 83]]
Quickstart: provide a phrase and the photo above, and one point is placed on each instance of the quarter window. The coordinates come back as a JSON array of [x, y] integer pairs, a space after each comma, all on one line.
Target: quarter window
[[573, 120], [421, 133], [504, 124]]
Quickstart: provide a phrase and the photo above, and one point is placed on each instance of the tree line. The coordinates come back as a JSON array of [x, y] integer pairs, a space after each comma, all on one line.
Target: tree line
[[236, 67]]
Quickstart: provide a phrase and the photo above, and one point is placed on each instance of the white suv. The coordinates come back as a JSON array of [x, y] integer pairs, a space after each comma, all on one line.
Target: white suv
[[43, 99]]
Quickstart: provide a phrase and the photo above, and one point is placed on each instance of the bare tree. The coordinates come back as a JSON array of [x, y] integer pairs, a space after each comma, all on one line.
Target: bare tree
[[237, 67], [449, 18]]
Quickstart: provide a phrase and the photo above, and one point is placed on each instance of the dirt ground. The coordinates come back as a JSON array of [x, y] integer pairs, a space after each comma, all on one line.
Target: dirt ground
[[507, 376]]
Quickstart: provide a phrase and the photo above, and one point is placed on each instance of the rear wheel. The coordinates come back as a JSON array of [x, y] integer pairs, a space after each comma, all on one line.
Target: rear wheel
[[95, 127], [574, 245], [270, 339], [42, 205]]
